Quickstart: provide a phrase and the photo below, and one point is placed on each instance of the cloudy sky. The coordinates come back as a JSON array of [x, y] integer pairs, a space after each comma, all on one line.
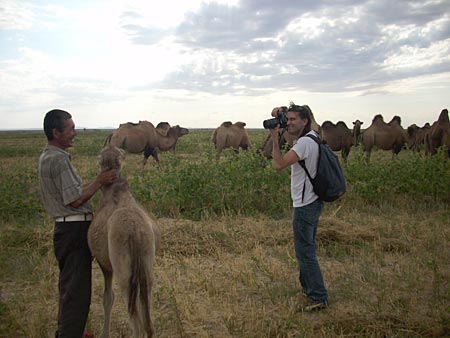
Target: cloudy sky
[[198, 63]]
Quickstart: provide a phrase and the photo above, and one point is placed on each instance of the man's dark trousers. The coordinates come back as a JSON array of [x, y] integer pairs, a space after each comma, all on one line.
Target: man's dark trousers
[[75, 266]]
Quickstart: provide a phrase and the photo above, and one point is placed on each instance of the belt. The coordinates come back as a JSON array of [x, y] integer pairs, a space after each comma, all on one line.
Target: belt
[[74, 218]]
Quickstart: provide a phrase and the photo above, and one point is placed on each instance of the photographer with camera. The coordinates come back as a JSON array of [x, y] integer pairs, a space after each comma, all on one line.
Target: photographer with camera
[[307, 205]]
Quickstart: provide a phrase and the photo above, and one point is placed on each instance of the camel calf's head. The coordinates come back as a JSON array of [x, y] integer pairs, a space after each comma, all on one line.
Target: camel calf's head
[[111, 158]]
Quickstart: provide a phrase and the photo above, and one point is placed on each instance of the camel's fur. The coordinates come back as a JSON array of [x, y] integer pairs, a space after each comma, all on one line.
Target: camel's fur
[[143, 137], [386, 136], [439, 134], [229, 135], [124, 239], [338, 137]]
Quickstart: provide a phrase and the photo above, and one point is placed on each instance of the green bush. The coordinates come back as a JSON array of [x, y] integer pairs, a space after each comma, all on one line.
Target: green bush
[[413, 176], [240, 183], [194, 184]]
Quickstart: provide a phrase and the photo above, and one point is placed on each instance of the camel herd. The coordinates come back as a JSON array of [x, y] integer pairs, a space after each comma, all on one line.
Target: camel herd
[[379, 135], [144, 137]]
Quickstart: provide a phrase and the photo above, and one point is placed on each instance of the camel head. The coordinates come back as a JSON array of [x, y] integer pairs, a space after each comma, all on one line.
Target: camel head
[[111, 158], [180, 131], [357, 123]]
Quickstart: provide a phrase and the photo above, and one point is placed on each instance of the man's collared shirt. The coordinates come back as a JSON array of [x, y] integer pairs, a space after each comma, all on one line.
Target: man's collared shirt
[[60, 183]]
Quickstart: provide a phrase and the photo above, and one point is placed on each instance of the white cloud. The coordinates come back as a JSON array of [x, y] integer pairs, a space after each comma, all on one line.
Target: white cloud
[[15, 15]]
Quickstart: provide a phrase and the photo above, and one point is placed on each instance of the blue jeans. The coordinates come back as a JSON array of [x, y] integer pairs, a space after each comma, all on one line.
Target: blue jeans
[[305, 223]]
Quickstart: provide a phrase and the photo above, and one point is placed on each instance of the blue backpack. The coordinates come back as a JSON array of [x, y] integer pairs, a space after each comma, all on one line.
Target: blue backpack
[[329, 182]]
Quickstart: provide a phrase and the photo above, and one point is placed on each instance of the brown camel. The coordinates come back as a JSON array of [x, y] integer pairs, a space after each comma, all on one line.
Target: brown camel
[[416, 136], [357, 135], [285, 141], [124, 239], [229, 135], [338, 137], [386, 136], [438, 135], [143, 137]]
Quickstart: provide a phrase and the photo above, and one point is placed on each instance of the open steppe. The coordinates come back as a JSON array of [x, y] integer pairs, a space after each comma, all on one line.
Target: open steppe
[[227, 266]]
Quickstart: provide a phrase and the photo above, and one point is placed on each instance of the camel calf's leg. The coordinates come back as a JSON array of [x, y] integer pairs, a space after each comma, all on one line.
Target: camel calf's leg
[[108, 300]]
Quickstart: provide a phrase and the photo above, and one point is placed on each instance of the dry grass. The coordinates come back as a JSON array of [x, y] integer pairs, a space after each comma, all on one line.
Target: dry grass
[[387, 275]]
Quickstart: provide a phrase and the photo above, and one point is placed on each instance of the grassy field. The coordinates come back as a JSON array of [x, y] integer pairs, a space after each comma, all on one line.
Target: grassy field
[[227, 266]]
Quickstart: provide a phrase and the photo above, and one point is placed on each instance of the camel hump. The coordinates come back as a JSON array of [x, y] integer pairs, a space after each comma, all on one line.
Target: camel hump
[[341, 124], [378, 118], [128, 124], [240, 124], [227, 124], [163, 125], [396, 119], [146, 123], [443, 116], [328, 124], [135, 125]]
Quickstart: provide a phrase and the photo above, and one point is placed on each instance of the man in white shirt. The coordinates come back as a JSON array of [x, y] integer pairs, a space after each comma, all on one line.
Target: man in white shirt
[[307, 205]]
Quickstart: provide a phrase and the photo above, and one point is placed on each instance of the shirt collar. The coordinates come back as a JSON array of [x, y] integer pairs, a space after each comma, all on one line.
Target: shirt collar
[[53, 148]]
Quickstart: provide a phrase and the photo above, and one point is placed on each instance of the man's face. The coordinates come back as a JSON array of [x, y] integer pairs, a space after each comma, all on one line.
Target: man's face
[[295, 124], [64, 139]]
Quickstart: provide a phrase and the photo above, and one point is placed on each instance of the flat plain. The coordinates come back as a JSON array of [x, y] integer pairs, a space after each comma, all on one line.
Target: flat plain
[[227, 266]]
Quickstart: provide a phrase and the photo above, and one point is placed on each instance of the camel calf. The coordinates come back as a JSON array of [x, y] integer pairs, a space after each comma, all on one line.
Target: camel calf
[[124, 239]]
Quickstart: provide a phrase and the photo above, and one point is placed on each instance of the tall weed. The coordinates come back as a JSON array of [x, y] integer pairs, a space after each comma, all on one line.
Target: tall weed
[[240, 183], [419, 178]]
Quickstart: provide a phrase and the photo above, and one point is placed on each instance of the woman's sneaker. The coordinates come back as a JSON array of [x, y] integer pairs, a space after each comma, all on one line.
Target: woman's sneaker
[[314, 305]]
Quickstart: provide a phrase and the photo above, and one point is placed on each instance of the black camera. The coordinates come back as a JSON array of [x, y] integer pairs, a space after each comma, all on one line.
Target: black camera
[[281, 120]]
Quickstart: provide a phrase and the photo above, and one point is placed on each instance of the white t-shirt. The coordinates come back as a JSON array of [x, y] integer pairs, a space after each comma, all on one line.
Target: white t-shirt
[[302, 192]]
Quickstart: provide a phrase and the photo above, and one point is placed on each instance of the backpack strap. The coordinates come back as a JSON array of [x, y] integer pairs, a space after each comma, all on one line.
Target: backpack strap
[[302, 162], [303, 165]]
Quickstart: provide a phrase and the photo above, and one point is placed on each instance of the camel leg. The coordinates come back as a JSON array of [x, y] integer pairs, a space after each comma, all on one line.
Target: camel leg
[[344, 154], [135, 317], [219, 153], [124, 265], [368, 156], [108, 300], [151, 151]]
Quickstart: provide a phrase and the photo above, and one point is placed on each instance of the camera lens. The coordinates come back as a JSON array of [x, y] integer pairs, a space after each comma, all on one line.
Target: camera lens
[[271, 123]]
